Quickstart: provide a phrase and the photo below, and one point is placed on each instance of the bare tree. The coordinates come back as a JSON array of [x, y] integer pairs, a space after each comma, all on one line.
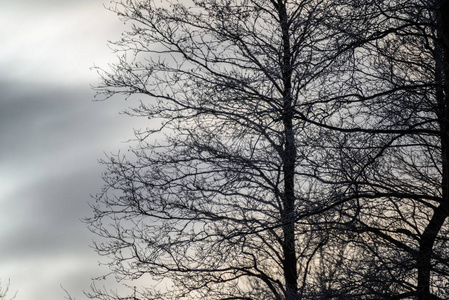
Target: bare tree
[[389, 103], [305, 151], [4, 290], [224, 207]]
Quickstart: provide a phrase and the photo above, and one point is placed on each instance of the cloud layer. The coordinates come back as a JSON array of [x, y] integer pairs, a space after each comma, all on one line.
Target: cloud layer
[[52, 135]]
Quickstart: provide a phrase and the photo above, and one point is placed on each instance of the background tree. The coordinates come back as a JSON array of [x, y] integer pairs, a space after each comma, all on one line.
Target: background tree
[[224, 207], [4, 290], [389, 103]]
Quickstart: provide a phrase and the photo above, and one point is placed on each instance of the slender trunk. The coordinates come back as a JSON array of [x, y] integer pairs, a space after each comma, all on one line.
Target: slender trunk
[[440, 214], [288, 213], [289, 159], [426, 248]]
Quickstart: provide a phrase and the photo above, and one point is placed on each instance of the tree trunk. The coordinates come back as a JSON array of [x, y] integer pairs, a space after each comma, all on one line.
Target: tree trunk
[[289, 159], [441, 213]]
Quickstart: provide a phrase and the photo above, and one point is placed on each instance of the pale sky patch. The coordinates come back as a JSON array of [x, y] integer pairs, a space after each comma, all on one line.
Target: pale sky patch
[[52, 135]]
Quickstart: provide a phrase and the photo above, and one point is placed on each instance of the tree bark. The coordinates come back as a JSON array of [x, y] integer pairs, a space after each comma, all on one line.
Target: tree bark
[[441, 213], [289, 159]]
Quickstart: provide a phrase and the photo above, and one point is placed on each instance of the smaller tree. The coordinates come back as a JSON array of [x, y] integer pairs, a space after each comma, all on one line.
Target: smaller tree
[[224, 206], [4, 290]]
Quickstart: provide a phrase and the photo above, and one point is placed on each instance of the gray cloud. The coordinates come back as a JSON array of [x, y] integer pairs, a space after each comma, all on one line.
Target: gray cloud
[[51, 136], [51, 140]]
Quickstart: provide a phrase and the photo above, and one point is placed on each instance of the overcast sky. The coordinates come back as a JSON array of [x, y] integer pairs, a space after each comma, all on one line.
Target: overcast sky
[[51, 136]]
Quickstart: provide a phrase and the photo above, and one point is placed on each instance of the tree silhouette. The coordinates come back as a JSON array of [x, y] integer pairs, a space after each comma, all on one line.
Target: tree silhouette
[[302, 151], [392, 118], [221, 207]]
